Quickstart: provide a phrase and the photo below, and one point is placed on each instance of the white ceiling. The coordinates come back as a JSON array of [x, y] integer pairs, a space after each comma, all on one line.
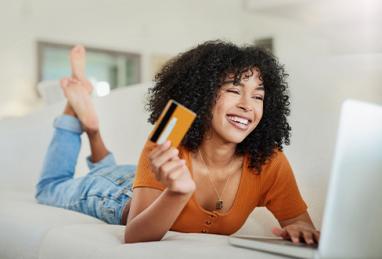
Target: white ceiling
[[352, 26]]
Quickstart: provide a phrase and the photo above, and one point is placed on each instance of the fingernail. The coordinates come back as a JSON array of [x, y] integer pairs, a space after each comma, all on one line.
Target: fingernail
[[295, 240]]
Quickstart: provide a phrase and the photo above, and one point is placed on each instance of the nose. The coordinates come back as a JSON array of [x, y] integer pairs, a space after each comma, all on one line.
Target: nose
[[244, 104]]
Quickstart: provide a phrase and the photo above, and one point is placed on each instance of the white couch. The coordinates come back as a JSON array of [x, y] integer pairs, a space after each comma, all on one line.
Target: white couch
[[31, 230]]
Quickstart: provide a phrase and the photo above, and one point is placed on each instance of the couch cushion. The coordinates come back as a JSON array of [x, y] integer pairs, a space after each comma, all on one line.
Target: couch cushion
[[24, 141], [27, 227], [102, 241], [24, 223]]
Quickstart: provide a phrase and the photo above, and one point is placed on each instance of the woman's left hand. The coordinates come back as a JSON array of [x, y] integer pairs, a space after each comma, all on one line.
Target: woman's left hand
[[298, 231]]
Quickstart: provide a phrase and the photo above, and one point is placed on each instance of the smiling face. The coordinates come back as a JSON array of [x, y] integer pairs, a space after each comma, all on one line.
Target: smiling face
[[238, 108]]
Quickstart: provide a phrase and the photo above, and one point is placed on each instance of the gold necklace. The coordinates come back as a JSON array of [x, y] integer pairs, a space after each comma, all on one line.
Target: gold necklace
[[219, 203]]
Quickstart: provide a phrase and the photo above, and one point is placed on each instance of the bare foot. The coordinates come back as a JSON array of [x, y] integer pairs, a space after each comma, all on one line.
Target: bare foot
[[77, 57], [69, 110], [79, 99]]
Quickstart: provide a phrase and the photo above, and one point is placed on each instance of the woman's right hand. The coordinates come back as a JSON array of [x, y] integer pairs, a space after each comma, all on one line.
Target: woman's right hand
[[170, 170]]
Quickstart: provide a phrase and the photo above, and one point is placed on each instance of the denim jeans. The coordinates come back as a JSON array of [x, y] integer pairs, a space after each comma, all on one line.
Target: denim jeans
[[102, 193]]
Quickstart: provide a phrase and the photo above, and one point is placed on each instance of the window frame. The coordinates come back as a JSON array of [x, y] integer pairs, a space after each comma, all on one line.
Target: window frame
[[41, 45]]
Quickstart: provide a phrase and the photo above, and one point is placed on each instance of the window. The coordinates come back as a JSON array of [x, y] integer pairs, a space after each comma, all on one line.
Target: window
[[107, 66]]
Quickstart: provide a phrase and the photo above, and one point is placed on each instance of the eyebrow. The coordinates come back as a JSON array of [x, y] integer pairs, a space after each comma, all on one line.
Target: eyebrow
[[260, 87]]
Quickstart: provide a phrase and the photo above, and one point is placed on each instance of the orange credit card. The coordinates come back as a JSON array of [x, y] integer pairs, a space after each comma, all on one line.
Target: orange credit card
[[172, 124]]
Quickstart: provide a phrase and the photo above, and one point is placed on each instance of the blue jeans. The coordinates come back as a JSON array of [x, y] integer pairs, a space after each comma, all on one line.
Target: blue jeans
[[102, 193]]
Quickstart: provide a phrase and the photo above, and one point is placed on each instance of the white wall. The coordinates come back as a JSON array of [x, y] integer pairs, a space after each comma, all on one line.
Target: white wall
[[319, 78], [147, 27]]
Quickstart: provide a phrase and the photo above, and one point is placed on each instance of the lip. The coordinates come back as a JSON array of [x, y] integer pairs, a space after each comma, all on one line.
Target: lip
[[240, 116], [239, 126]]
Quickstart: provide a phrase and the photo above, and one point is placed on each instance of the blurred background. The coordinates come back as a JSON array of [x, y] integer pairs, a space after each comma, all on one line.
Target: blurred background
[[332, 50]]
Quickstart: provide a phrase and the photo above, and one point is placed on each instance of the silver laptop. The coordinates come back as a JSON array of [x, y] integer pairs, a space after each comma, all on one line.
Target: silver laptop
[[352, 223]]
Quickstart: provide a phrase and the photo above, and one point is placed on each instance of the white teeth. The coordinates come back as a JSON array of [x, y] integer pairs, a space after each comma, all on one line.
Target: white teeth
[[238, 119]]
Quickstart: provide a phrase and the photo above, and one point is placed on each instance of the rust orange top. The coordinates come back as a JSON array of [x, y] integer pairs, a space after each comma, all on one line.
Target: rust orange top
[[275, 188]]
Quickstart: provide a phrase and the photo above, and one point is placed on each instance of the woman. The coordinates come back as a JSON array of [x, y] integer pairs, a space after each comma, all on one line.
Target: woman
[[229, 162]]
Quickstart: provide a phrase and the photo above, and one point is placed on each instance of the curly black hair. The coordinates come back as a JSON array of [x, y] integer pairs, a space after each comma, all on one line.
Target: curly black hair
[[193, 78]]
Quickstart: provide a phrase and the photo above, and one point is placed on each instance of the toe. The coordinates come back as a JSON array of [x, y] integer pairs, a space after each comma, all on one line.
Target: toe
[[78, 50], [64, 82]]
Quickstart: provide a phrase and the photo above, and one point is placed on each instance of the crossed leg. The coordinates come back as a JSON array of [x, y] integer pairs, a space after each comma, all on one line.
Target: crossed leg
[[77, 90], [56, 186]]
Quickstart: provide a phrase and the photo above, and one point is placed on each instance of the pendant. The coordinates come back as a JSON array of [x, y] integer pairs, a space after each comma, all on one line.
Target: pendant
[[219, 204]]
